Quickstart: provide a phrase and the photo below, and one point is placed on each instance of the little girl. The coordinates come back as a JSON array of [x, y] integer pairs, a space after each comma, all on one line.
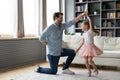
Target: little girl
[[89, 50]]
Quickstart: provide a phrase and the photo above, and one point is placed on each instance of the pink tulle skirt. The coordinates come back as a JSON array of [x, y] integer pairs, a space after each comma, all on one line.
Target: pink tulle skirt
[[89, 50]]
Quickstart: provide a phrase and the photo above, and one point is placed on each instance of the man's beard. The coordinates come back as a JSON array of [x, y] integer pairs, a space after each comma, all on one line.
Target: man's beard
[[60, 22]]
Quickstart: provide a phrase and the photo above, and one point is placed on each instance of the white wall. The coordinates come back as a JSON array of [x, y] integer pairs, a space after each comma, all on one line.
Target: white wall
[[69, 13]]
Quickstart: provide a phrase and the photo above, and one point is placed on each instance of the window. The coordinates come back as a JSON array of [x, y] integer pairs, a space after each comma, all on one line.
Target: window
[[8, 17], [31, 16], [51, 9]]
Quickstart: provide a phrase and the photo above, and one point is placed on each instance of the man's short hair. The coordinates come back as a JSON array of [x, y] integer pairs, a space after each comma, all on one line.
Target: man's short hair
[[56, 14]]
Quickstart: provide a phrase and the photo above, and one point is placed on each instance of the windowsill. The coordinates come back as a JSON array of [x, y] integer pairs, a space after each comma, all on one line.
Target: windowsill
[[24, 38], [27, 37]]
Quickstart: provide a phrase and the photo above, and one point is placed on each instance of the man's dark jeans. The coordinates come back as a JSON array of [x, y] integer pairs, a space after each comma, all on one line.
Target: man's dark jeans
[[54, 60]]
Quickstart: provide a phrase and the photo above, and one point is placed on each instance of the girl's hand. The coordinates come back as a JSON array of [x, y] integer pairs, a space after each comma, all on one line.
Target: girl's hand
[[88, 17], [76, 50]]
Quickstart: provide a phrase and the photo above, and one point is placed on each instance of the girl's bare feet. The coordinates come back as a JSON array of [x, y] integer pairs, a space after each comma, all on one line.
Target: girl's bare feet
[[89, 74], [96, 72]]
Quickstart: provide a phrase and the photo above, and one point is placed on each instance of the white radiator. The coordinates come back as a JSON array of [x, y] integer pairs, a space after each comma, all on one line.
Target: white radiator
[[15, 52]]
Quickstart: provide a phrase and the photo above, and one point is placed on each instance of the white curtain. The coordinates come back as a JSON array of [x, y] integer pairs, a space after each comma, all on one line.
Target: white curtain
[[25, 17], [8, 17], [31, 17]]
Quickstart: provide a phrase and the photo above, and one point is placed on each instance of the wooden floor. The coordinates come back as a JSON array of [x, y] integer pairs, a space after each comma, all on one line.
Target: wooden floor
[[12, 73]]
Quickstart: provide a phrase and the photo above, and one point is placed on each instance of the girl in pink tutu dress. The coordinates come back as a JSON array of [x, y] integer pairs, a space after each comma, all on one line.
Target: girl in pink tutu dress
[[89, 50]]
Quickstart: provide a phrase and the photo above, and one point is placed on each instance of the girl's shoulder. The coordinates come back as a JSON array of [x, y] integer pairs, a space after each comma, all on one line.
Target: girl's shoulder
[[90, 30]]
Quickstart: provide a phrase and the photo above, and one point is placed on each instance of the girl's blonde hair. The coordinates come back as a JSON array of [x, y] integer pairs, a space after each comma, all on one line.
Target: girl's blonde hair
[[88, 27]]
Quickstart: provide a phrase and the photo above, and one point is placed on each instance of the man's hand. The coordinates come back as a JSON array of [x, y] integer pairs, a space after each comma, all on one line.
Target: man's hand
[[84, 13], [80, 16], [44, 42]]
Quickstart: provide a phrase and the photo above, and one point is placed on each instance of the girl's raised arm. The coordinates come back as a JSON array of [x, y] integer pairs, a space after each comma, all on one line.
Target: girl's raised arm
[[91, 25], [90, 22]]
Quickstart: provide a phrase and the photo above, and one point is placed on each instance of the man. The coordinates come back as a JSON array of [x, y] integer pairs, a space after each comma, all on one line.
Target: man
[[52, 37]]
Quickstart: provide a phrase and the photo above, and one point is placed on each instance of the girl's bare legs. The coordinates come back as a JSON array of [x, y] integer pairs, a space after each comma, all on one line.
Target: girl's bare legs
[[87, 66], [93, 64]]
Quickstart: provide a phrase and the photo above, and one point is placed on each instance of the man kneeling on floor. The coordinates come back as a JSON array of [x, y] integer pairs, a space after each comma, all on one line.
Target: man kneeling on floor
[[52, 38]]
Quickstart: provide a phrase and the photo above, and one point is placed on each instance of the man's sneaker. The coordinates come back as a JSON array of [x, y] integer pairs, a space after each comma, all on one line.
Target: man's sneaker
[[37, 68], [67, 71]]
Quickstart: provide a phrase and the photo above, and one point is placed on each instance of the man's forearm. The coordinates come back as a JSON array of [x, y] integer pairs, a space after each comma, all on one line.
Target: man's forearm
[[79, 17]]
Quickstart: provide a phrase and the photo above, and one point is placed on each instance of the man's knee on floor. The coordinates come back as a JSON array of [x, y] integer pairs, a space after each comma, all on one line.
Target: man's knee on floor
[[54, 72]]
